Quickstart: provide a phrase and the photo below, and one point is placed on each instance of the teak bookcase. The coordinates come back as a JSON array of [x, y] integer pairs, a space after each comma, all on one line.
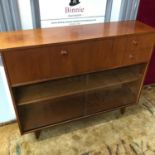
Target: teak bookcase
[[57, 75]]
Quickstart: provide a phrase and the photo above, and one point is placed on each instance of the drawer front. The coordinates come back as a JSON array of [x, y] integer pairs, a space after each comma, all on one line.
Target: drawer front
[[42, 114], [136, 56], [44, 63], [140, 42], [134, 49], [138, 49]]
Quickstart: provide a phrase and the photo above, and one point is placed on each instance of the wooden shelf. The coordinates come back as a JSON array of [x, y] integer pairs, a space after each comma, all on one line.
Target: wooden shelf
[[74, 85]]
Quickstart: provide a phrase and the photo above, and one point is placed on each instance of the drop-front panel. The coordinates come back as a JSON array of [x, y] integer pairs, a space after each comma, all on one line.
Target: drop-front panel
[[57, 75]]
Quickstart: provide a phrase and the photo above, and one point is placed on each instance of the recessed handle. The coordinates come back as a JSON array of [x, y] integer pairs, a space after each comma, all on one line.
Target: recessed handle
[[135, 42], [64, 52]]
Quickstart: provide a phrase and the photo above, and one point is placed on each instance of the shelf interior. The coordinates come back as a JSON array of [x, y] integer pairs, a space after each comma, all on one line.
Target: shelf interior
[[45, 113], [110, 98], [72, 98], [75, 85], [33, 116]]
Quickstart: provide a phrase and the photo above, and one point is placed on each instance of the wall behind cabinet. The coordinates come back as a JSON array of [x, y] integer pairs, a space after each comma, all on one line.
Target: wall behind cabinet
[[6, 108]]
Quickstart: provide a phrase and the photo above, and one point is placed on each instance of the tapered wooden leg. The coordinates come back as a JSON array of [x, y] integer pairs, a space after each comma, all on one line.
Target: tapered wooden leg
[[122, 110], [37, 134]]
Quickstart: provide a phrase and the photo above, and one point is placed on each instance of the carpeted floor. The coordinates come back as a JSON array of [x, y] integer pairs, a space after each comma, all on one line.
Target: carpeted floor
[[109, 134]]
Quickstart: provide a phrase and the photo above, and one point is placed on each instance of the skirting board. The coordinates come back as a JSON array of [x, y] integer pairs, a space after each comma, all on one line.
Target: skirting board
[[6, 123]]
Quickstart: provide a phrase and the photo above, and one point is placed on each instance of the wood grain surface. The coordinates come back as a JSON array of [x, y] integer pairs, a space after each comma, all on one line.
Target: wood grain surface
[[38, 37]]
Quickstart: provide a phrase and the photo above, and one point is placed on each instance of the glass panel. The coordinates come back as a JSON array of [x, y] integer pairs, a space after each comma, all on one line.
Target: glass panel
[[119, 88], [77, 85], [68, 98], [111, 97], [53, 111]]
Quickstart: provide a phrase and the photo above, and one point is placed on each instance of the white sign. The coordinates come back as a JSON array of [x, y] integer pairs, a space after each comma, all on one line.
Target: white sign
[[71, 12]]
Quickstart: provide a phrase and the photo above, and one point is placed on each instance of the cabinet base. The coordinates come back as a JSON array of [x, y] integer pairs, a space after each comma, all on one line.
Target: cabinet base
[[122, 110], [37, 134]]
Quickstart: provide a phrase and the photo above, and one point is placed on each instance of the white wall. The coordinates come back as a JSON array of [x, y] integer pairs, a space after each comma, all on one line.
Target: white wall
[[6, 106]]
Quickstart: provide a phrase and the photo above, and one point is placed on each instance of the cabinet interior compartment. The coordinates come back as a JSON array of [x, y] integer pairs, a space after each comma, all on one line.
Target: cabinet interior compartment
[[55, 101], [112, 97], [45, 113], [53, 89]]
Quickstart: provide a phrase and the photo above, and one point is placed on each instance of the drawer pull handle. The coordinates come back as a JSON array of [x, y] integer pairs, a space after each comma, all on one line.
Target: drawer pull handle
[[131, 56], [64, 52], [135, 42]]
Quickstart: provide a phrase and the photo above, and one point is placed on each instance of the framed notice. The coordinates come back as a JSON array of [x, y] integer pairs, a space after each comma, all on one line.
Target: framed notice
[[71, 12]]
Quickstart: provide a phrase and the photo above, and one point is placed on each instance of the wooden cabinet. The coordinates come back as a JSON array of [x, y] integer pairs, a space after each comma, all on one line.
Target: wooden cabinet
[[59, 77]]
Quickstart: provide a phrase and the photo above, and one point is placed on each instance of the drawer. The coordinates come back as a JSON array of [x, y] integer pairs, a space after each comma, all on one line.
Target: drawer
[[134, 49], [46, 113], [44, 63], [140, 42], [138, 49], [136, 56]]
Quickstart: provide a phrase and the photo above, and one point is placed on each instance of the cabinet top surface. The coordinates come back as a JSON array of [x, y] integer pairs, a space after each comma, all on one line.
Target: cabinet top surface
[[38, 37]]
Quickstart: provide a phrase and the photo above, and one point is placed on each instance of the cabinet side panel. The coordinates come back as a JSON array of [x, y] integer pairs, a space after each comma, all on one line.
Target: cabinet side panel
[[11, 92]]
